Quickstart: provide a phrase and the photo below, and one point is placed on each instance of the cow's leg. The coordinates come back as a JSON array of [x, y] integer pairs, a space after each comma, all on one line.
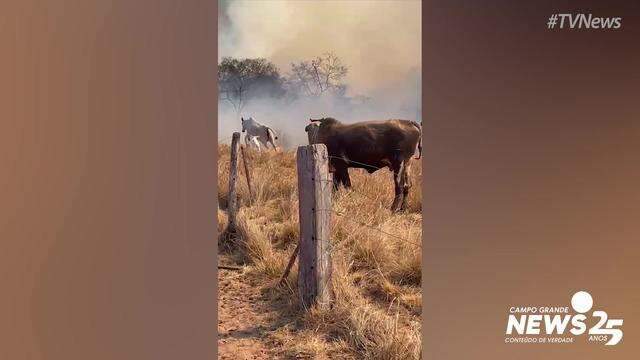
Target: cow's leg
[[406, 185], [341, 177], [263, 143], [398, 168], [271, 140], [337, 175], [337, 179], [346, 181]]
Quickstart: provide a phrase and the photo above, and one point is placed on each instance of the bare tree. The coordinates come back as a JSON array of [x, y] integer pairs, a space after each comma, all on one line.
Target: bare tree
[[323, 74], [240, 80]]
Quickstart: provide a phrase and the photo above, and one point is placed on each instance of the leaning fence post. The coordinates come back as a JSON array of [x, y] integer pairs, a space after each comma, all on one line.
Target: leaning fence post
[[233, 176], [314, 193], [245, 162]]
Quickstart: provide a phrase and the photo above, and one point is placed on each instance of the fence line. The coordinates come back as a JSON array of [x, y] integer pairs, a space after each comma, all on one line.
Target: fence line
[[352, 190], [322, 279], [368, 197], [377, 229], [363, 224], [355, 162], [359, 163], [371, 227]]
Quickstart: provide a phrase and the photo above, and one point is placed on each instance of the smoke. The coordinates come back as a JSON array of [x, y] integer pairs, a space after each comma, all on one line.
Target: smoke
[[380, 42]]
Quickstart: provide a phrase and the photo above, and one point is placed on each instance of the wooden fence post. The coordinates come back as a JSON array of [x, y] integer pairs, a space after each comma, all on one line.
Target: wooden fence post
[[245, 161], [233, 176], [314, 193]]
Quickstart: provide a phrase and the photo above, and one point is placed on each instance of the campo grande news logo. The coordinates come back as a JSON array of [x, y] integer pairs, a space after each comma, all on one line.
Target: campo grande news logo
[[556, 324]]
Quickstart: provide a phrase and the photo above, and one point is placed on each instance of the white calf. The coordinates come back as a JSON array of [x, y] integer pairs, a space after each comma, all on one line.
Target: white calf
[[256, 132]]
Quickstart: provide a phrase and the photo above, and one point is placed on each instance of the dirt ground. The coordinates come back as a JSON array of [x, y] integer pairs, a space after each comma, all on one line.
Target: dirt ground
[[243, 319]]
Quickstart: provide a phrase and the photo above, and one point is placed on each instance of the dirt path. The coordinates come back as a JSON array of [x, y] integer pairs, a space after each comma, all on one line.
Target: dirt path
[[243, 324]]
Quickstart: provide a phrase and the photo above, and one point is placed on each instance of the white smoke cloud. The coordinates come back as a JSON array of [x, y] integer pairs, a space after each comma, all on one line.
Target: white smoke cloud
[[380, 42]]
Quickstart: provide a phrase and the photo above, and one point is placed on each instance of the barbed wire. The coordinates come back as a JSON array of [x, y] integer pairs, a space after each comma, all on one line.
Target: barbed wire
[[329, 245], [355, 162], [354, 191], [342, 216], [379, 230], [360, 223], [327, 181], [359, 163]]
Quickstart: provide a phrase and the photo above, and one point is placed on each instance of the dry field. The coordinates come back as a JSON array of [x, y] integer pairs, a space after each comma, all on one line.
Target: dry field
[[376, 276]]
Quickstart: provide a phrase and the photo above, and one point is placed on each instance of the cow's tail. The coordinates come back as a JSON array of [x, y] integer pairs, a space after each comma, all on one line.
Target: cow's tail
[[419, 127], [272, 133], [272, 137]]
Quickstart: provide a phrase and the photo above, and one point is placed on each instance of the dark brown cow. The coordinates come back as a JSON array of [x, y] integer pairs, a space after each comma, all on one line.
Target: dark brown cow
[[370, 145]]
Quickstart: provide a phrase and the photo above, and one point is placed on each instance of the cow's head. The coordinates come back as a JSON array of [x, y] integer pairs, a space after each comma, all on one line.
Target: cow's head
[[312, 132], [246, 123], [324, 122]]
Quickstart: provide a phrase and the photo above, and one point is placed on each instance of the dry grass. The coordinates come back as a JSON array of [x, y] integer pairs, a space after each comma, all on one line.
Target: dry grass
[[377, 277]]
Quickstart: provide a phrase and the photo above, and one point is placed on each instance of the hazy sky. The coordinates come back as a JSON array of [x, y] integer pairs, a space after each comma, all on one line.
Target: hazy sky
[[380, 41]]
